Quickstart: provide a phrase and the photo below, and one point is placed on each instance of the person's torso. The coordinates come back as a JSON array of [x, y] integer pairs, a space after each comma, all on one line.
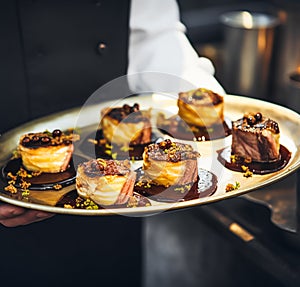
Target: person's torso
[[58, 53]]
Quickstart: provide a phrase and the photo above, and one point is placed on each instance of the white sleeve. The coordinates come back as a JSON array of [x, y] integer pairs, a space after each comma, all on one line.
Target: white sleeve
[[157, 43]]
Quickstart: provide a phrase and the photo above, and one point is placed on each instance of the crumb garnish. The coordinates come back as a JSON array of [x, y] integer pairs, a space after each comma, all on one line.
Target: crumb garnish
[[11, 188], [126, 148], [46, 138], [57, 186], [20, 178], [247, 172], [132, 202], [85, 203], [145, 183], [231, 187], [233, 158], [25, 193], [183, 189], [15, 154], [93, 141]]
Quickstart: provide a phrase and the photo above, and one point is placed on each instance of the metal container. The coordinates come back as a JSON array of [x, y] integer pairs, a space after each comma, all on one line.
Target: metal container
[[248, 49], [293, 95], [286, 82]]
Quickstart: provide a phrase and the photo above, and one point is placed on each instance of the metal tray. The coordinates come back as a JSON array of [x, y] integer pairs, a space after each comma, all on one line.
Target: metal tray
[[89, 117]]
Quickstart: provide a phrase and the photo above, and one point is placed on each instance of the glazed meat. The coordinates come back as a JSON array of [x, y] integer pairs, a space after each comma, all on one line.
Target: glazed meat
[[201, 107], [169, 163], [106, 182], [126, 125], [256, 138]]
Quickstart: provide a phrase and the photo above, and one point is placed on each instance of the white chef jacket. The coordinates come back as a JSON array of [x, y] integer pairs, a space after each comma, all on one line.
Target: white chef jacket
[[158, 43]]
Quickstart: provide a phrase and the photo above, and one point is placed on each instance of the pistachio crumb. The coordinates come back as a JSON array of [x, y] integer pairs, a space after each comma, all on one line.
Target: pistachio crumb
[[126, 148], [233, 158], [231, 187], [247, 172], [108, 146], [132, 202], [25, 193], [15, 154]]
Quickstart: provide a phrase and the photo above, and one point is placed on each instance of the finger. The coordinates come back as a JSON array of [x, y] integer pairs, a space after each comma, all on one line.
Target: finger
[[28, 217], [8, 211]]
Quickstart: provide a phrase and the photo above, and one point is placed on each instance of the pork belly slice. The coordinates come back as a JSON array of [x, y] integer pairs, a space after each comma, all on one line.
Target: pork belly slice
[[256, 138], [170, 163], [106, 182], [126, 125]]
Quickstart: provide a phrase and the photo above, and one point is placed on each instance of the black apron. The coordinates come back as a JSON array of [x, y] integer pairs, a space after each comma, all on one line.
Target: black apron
[[57, 53]]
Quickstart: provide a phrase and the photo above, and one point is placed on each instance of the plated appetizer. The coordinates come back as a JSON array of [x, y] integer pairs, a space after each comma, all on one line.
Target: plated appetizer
[[126, 125], [170, 173], [123, 133], [256, 138], [168, 163], [48, 152], [42, 162], [106, 182], [255, 145], [201, 107], [200, 117]]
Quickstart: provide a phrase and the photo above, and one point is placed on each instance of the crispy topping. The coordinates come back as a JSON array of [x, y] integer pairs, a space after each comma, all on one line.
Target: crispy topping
[[102, 167], [207, 97], [170, 151], [46, 138], [122, 113], [56, 133], [256, 122]]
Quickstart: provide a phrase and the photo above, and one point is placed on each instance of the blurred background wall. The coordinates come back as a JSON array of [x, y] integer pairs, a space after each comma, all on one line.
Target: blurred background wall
[[207, 33]]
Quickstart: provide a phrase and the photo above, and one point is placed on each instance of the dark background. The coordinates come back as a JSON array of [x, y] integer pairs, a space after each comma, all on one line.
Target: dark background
[[56, 53], [51, 60]]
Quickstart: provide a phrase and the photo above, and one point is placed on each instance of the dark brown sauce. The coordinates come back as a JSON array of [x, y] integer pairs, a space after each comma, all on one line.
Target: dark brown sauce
[[71, 199], [177, 128], [205, 185], [224, 156], [44, 181], [105, 151]]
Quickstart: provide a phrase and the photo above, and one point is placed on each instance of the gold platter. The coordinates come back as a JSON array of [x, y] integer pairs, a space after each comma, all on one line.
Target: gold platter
[[88, 117]]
